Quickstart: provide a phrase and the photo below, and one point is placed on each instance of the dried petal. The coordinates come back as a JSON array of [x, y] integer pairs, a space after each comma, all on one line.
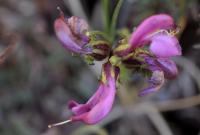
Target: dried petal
[[155, 83]]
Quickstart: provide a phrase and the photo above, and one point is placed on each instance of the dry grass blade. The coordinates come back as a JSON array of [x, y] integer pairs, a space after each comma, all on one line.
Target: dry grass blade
[[178, 104], [154, 115], [5, 53]]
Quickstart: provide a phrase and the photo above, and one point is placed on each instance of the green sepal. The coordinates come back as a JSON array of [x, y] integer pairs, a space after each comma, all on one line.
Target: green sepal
[[115, 60], [98, 42], [124, 33], [89, 59], [98, 35]]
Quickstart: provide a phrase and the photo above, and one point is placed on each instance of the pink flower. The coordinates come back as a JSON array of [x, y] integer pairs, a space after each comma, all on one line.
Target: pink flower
[[158, 31], [154, 31], [71, 32], [100, 104], [160, 69], [74, 35]]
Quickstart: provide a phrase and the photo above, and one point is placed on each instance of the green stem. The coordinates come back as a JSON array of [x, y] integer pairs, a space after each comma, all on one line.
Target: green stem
[[105, 6], [114, 19]]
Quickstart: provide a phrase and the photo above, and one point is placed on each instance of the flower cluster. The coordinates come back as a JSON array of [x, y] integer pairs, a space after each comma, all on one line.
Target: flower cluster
[[157, 31]]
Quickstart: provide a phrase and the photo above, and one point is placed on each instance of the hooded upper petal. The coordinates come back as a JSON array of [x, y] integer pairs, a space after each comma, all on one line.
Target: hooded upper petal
[[71, 33], [165, 46], [148, 26], [143, 32], [100, 104]]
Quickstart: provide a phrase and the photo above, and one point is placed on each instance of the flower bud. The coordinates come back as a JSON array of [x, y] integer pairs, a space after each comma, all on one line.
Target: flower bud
[[100, 50], [121, 48], [100, 47]]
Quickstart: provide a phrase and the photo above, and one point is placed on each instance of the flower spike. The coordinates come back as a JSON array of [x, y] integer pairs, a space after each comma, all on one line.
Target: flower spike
[[157, 31]]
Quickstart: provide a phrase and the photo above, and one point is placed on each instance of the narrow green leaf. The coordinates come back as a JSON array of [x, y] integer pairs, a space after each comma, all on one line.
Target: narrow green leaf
[[106, 16], [114, 19]]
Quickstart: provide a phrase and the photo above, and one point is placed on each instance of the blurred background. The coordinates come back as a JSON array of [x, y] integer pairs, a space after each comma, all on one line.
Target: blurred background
[[38, 77]]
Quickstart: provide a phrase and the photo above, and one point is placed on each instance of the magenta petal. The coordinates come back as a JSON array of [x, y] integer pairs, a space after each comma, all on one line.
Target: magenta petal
[[148, 90], [148, 26], [100, 104], [72, 104], [169, 67], [155, 83], [165, 46], [70, 40], [82, 108], [103, 107], [78, 109]]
